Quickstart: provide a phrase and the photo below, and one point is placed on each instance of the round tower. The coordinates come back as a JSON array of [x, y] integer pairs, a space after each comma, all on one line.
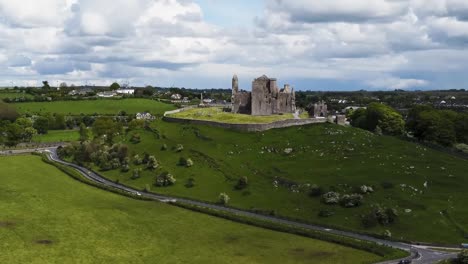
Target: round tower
[[235, 84]]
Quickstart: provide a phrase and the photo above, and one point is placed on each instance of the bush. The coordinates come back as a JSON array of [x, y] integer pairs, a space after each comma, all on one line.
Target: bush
[[325, 213], [137, 160], [380, 215], [115, 163], [351, 200], [135, 139], [125, 168], [242, 183], [165, 179], [164, 147], [190, 183], [136, 174], [387, 185], [152, 163], [366, 189], [331, 198], [223, 198], [179, 148], [462, 257], [315, 191], [185, 162]]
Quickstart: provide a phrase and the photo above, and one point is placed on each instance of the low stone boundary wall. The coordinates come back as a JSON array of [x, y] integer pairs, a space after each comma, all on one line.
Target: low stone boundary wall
[[245, 127]]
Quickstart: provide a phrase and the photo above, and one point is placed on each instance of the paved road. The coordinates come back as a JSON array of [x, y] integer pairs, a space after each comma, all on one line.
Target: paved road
[[419, 254]]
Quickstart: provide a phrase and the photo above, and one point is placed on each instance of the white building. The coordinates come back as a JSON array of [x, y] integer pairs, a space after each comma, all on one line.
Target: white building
[[125, 91], [144, 116], [107, 94], [176, 97]]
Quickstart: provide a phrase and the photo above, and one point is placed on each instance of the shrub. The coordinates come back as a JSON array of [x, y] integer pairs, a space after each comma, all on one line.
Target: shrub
[[331, 198], [366, 189], [179, 148], [165, 179], [137, 160], [351, 200], [387, 233], [462, 257], [315, 191], [125, 168], [242, 183], [135, 139], [164, 147], [223, 198], [185, 162], [325, 213], [188, 163], [115, 163], [136, 174], [190, 183], [152, 163], [381, 215], [387, 185]]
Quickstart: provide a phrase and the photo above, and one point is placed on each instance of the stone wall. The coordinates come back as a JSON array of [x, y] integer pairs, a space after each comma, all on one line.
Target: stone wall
[[248, 127], [241, 102]]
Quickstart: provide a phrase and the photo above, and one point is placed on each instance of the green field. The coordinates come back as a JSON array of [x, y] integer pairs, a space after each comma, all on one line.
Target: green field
[[47, 217], [218, 115], [14, 95], [57, 136], [333, 157], [101, 106]]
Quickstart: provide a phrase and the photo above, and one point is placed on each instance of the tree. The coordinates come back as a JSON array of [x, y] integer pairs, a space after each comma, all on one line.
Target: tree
[[104, 126], [179, 147], [152, 163], [114, 86], [137, 160], [84, 133], [8, 112], [386, 118], [242, 183], [41, 124], [223, 198], [13, 134], [165, 179], [136, 174], [45, 86]]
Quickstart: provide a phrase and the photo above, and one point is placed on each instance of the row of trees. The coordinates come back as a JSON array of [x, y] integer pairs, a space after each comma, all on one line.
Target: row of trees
[[379, 118], [426, 123], [444, 127]]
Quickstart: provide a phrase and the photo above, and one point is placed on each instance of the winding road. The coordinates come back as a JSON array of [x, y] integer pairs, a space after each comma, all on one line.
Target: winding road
[[419, 254]]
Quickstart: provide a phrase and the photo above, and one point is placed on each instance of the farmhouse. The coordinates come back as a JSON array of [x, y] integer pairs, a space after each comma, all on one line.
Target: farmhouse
[[265, 99], [125, 91], [144, 116]]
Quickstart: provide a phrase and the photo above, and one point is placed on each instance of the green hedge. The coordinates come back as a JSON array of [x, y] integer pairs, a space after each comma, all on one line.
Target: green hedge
[[77, 176]]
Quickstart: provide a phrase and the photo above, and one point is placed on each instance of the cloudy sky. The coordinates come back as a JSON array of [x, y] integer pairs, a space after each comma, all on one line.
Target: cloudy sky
[[311, 44]]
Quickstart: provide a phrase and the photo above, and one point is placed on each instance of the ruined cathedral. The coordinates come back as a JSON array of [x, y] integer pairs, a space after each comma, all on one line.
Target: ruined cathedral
[[265, 99]]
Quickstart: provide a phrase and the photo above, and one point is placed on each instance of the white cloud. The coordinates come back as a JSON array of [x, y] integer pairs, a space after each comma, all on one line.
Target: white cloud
[[397, 83]]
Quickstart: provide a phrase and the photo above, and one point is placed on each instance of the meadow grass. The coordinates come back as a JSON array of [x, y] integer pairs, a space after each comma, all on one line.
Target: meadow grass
[[218, 115], [333, 157], [100, 106], [47, 217], [57, 136], [14, 95]]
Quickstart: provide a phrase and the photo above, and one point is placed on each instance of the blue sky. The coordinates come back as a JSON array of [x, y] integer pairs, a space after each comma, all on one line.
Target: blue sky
[[316, 45]]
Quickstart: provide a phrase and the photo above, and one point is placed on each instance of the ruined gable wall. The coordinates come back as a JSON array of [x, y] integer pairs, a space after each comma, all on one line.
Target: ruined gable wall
[[241, 103]]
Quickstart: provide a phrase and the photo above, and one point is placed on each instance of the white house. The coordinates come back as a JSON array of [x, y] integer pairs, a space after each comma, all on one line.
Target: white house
[[176, 97], [144, 116], [107, 94], [125, 91]]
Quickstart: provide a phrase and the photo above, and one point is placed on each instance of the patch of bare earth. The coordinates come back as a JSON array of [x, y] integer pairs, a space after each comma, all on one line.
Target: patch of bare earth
[[44, 241], [7, 224]]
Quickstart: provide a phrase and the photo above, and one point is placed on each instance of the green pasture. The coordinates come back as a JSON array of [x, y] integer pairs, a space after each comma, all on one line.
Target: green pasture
[[47, 217]]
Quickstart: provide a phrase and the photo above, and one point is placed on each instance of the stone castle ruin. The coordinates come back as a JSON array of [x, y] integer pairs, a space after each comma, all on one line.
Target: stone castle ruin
[[265, 99]]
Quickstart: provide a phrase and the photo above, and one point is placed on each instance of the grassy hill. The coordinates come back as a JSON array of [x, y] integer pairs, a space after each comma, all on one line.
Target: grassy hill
[[101, 106], [48, 217], [335, 158], [218, 115]]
